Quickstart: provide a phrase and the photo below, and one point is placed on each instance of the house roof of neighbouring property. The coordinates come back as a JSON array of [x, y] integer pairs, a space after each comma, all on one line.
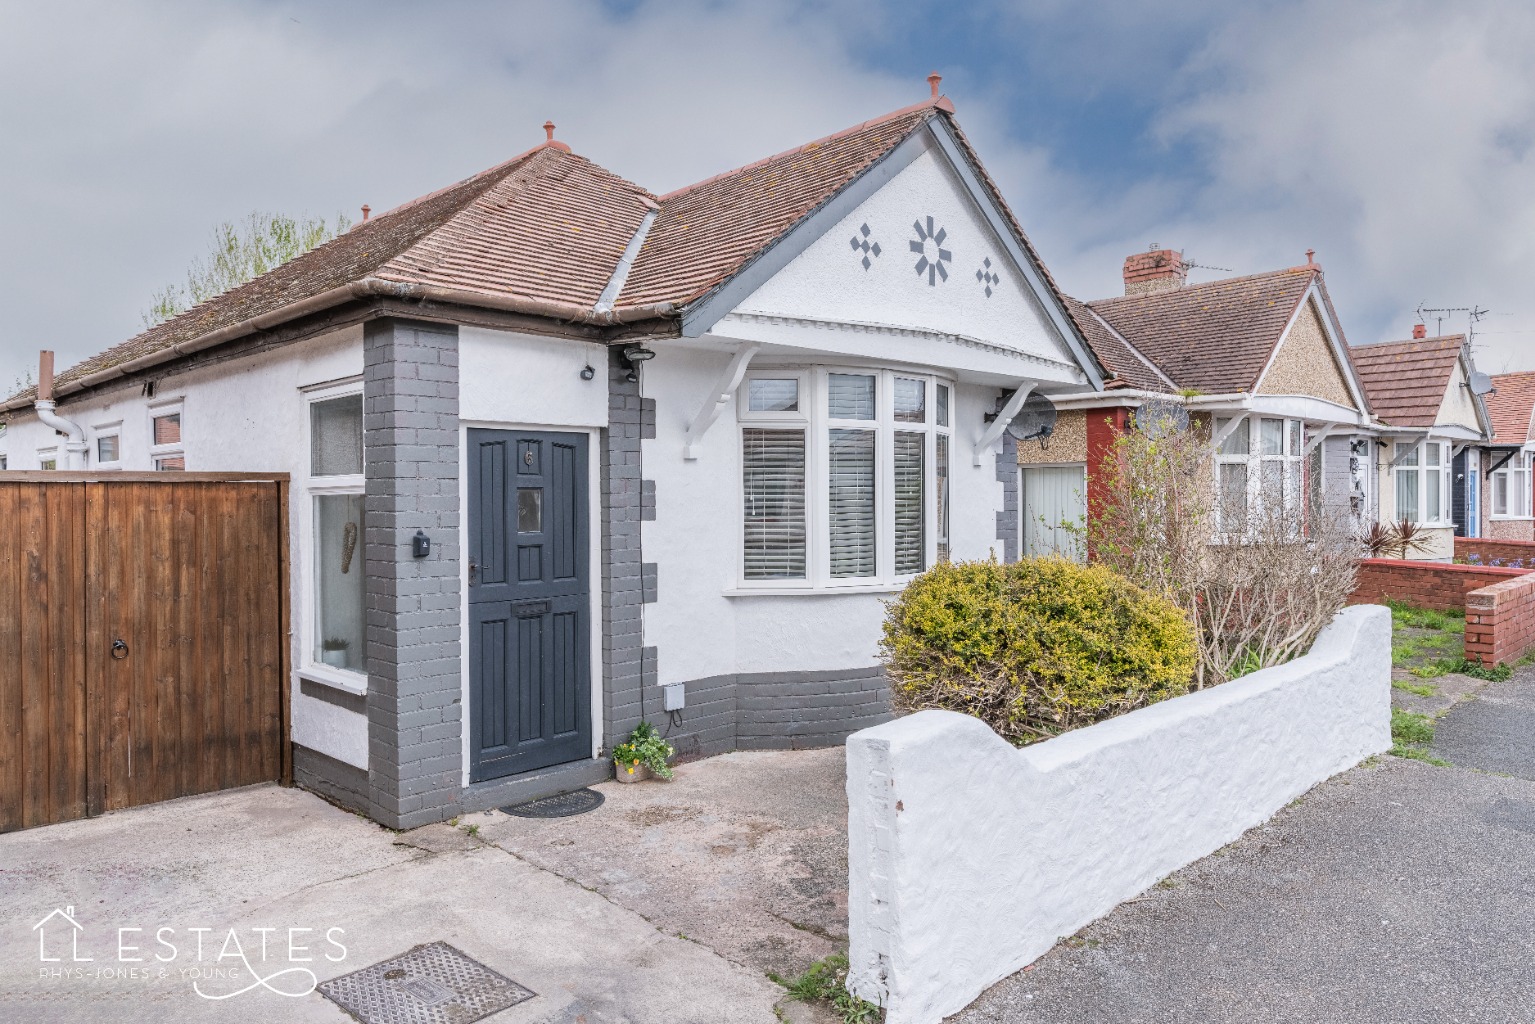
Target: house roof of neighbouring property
[[1407, 380], [1215, 337], [543, 234], [1511, 407]]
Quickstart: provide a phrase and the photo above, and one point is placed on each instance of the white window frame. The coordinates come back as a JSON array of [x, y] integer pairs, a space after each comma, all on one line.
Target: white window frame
[[160, 452], [1293, 485], [1420, 468], [813, 417], [103, 430], [45, 456], [314, 487], [1515, 476]]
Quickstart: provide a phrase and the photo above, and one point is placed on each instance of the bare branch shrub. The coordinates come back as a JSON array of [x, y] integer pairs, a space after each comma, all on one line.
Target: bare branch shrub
[[1259, 582]]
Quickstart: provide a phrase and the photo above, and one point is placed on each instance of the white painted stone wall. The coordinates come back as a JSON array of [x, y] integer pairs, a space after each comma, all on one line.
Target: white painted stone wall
[[970, 858]]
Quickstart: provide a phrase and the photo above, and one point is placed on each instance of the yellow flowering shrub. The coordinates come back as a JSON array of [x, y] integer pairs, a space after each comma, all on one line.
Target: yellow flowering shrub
[[1034, 648]]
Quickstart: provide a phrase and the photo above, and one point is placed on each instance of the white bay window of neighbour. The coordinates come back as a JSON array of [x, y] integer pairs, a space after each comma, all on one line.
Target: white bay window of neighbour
[[1511, 488], [845, 476], [336, 486], [1422, 478]]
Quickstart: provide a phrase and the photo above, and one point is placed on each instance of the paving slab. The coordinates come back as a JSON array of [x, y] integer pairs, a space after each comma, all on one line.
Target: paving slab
[[745, 853], [1398, 892], [255, 863]]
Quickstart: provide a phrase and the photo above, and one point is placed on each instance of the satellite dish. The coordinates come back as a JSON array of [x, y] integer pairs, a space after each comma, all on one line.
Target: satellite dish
[[1035, 420], [1481, 384], [1160, 417]]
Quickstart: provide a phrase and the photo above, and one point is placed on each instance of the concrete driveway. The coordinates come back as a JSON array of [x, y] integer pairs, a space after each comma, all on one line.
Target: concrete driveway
[[255, 863]]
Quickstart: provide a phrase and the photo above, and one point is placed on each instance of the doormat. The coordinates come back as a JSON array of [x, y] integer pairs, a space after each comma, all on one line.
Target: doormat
[[562, 806], [430, 984]]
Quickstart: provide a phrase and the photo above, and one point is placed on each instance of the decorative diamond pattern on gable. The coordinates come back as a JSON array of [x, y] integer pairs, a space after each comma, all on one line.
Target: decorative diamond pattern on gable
[[861, 242], [987, 276], [932, 257]]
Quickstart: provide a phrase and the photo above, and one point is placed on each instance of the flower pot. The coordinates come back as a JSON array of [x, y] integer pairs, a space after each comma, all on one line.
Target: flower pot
[[336, 659], [627, 773]]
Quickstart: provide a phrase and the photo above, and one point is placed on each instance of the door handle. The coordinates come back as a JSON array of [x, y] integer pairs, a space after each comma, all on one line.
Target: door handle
[[474, 568], [119, 650]]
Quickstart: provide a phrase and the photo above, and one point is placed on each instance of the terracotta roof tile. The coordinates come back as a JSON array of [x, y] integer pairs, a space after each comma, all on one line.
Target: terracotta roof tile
[[1407, 380], [1214, 337], [706, 232], [1511, 407], [1121, 361]]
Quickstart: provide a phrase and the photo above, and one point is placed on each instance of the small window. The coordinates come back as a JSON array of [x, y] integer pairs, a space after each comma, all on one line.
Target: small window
[[108, 448], [3, 465], [50, 463], [773, 395], [1236, 442], [910, 400], [340, 623], [167, 428], [335, 436], [943, 405], [530, 510], [170, 463], [850, 396]]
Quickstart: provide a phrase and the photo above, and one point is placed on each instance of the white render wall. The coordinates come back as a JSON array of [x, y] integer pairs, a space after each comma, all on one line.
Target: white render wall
[[970, 858], [245, 415]]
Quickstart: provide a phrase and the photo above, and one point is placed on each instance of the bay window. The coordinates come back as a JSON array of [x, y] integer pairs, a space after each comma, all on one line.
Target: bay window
[[1260, 472], [1511, 488], [337, 625], [1421, 474], [845, 476]]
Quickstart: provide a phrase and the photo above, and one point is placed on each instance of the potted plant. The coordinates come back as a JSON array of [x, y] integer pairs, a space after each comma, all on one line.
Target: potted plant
[[642, 756], [333, 651]]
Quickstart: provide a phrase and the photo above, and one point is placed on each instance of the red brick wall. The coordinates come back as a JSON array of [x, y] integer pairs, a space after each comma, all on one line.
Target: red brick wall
[[1487, 550], [1437, 585], [1500, 621], [1103, 428]]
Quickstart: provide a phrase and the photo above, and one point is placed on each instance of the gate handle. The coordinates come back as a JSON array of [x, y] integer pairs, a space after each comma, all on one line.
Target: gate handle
[[119, 650]]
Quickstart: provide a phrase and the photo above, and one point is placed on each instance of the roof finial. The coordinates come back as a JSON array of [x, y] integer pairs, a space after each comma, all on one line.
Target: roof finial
[[366, 209], [932, 83], [548, 131], [1310, 257]]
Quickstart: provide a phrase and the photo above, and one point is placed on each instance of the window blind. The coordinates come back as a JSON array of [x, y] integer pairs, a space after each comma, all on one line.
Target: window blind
[[910, 538], [849, 396], [850, 502], [773, 474]]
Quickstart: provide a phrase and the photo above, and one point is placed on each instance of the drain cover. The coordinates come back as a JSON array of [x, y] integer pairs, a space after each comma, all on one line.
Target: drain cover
[[562, 806], [431, 984]]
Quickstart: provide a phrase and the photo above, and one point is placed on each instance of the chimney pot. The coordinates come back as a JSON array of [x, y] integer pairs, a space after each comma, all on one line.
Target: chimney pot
[[548, 131], [932, 83], [1155, 270], [1419, 332]]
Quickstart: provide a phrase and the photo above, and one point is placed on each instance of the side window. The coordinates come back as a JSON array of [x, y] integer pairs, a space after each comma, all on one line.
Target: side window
[[167, 452]]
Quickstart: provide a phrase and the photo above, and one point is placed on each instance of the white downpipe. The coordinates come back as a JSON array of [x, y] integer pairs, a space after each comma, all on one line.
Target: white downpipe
[[74, 438]]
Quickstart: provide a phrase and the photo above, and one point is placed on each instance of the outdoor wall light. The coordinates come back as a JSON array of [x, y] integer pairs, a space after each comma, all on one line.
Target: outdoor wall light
[[635, 355], [587, 373], [420, 545]]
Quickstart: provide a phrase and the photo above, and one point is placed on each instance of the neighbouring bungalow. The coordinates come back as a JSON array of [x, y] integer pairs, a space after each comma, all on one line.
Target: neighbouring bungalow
[[1428, 396], [1261, 357], [670, 452], [1510, 504]]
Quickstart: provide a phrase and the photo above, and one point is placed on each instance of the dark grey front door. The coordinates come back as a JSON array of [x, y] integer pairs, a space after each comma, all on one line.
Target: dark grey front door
[[529, 601]]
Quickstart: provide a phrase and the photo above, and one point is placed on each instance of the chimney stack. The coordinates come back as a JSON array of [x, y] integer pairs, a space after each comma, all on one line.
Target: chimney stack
[[1419, 332], [45, 376], [1155, 270]]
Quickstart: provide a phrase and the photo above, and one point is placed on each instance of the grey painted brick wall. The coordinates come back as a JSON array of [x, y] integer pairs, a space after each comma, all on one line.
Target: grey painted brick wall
[[1012, 510], [335, 780], [779, 710], [414, 707], [622, 584], [647, 500]]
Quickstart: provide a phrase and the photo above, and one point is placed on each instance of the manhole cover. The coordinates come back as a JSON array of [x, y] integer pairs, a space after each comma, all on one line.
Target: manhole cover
[[431, 984], [562, 806]]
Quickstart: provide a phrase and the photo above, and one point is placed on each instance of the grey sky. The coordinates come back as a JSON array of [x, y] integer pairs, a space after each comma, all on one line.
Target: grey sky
[[1393, 137]]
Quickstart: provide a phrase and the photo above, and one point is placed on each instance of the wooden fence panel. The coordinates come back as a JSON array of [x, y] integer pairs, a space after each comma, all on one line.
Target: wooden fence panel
[[188, 573]]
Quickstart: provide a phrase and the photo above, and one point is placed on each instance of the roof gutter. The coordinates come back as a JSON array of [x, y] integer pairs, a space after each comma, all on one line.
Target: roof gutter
[[368, 287]]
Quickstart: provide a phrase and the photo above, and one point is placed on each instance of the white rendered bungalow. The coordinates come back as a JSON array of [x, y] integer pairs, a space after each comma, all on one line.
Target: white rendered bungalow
[[670, 452]]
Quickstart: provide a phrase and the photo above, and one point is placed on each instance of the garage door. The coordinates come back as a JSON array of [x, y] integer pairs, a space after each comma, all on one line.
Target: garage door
[[142, 631]]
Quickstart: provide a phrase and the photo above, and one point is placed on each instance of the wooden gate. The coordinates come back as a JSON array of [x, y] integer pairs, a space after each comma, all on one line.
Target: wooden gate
[[143, 639]]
